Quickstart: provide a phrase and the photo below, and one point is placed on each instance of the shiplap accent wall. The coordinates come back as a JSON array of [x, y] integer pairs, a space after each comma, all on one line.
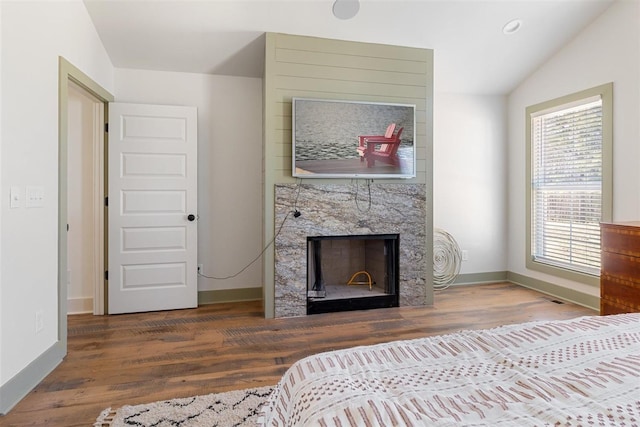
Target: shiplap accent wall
[[310, 67]]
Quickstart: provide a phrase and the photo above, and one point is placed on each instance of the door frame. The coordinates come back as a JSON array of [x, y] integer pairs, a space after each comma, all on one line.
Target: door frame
[[96, 201], [68, 72]]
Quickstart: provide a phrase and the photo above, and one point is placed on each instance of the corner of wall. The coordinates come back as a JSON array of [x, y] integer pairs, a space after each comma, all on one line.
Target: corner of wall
[[22, 383], [563, 292]]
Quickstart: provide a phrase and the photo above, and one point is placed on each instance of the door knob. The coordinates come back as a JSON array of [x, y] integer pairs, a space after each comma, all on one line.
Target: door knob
[[191, 217]]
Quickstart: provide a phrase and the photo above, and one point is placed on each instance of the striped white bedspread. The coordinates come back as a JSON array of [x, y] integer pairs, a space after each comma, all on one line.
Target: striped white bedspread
[[580, 372]]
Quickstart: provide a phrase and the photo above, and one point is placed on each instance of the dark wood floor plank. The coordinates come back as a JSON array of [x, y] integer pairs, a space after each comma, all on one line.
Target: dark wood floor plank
[[140, 358]]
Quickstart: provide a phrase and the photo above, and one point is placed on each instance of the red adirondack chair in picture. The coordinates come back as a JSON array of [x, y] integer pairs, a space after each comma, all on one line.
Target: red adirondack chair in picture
[[383, 148]]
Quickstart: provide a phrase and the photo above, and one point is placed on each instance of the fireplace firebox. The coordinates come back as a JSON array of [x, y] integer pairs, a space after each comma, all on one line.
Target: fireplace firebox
[[356, 272]]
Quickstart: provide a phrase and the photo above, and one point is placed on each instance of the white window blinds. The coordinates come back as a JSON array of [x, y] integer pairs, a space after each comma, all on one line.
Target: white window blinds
[[566, 187]]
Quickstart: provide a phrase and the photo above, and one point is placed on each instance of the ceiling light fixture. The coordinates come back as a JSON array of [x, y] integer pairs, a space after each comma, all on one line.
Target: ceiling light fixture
[[346, 9], [512, 26]]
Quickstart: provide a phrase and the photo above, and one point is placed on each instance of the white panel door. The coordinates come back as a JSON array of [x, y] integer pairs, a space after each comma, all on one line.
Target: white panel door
[[152, 208]]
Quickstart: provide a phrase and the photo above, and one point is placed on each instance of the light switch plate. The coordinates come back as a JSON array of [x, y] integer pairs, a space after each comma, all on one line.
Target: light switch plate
[[15, 195], [35, 197]]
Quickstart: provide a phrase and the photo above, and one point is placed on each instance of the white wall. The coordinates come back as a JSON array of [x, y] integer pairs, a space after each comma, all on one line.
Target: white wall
[[229, 164], [606, 51], [33, 35], [469, 176], [81, 242]]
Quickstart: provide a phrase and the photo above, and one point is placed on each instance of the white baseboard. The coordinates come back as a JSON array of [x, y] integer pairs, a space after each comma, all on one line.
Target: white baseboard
[[24, 381]]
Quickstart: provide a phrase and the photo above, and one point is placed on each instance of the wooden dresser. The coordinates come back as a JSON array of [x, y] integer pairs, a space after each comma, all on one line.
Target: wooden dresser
[[620, 270]]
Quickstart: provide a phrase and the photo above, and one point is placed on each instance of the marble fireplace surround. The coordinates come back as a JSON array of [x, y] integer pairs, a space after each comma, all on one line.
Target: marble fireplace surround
[[332, 210]]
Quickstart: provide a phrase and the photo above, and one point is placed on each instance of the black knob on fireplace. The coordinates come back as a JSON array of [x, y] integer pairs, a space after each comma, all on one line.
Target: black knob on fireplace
[[191, 217]]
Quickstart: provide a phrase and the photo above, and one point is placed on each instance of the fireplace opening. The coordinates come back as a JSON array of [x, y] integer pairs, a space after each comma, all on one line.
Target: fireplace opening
[[347, 273]]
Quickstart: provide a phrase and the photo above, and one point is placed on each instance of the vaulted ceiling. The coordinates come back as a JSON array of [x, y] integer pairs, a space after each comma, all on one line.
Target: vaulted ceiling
[[472, 54]]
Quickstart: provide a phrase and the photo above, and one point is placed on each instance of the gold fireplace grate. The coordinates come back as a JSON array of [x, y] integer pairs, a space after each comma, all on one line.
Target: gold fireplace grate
[[357, 275]]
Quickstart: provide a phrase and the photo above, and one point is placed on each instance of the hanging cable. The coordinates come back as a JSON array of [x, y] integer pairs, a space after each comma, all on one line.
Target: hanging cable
[[256, 258], [369, 200], [296, 212]]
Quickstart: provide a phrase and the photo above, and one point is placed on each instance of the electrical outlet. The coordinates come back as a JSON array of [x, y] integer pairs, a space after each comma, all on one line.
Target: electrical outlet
[[200, 269], [39, 321], [465, 255]]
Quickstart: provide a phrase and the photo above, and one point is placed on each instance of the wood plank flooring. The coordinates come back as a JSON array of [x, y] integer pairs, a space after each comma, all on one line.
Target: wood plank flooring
[[140, 358]]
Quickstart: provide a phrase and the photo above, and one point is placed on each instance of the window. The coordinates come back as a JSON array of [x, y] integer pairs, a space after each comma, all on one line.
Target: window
[[569, 182]]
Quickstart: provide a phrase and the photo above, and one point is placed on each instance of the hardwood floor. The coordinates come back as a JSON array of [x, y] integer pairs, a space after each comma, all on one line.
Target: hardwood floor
[[139, 358]]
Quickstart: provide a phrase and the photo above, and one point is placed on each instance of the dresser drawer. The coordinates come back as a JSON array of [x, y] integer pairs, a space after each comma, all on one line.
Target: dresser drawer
[[620, 292], [612, 307], [621, 266], [620, 239]]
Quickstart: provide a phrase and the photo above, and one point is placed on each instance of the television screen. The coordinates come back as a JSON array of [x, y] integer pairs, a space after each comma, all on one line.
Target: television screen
[[347, 139]]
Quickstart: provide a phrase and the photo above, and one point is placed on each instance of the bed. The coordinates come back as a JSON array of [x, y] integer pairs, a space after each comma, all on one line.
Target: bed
[[579, 372]]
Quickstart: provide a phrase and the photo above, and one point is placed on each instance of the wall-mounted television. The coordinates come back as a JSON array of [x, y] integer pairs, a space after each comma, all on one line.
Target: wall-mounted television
[[350, 139]]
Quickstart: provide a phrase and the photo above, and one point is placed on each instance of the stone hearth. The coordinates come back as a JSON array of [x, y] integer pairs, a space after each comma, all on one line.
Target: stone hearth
[[332, 210]]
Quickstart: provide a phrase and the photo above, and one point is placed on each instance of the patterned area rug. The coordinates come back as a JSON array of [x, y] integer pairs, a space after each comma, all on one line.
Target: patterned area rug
[[233, 408]]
